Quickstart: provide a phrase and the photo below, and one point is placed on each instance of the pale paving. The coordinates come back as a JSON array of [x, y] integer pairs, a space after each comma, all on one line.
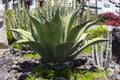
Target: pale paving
[[3, 35]]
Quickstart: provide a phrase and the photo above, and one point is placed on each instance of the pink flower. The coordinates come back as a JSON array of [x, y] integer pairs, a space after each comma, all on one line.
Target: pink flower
[[110, 19]]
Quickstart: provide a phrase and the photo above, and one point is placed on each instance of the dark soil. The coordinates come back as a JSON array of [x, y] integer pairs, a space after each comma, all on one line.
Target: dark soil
[[12, 67]]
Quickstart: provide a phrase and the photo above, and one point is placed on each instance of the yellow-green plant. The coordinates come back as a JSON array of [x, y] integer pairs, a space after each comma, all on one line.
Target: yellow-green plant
[[48, 74], [57, 41], [32, 56], [100, 31]]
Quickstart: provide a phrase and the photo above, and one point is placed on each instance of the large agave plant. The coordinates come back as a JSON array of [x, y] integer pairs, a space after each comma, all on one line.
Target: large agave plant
[[57, 40]]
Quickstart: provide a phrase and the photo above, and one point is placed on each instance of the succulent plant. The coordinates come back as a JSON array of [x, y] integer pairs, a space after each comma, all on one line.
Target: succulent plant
[[58, 40], [101, 53]]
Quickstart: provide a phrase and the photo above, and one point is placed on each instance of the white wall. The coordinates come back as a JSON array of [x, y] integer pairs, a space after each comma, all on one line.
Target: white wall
[[108, 9], [105, 6]]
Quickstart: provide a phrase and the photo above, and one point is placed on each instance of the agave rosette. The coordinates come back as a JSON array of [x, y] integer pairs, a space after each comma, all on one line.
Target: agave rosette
[[57, 40]]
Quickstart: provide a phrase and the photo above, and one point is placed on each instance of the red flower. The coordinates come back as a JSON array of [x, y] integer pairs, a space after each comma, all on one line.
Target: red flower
[[110, 19]]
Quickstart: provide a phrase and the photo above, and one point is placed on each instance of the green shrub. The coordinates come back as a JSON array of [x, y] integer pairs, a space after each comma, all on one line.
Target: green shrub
[[100, 31]]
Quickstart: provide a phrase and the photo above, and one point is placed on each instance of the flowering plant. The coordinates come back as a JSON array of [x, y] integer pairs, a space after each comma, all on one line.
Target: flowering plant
[[110, 19]]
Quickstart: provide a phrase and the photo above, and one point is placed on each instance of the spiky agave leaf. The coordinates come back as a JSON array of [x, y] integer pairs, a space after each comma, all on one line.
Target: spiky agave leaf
[[93, 41], [76, 30], [38, 47], [84, 29], [79, 44], [62, 51], [68, 22], [57, 20], [51, 36], [25, 34], [36, 27]]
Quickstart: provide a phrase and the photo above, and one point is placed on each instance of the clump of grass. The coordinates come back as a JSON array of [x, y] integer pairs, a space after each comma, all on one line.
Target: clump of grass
[[32, 56]]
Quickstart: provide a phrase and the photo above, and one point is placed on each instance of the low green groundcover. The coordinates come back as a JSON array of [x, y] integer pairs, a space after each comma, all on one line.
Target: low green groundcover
[[47, 74]]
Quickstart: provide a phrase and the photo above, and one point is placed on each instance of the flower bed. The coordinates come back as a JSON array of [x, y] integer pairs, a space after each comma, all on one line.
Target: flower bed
[[110, 19]]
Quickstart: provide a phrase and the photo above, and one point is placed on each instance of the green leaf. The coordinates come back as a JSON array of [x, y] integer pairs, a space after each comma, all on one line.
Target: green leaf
[[50, 36], [80, 43], [57, 20], [22, 40], [65, 23], [50, 33], [69, 23], [38, 47], [62, 51], [83, 37], [83, 29], [10, 37], [75, 31], [18, 46], [33, 33], [24, 34], [37, 27], [93, 41]]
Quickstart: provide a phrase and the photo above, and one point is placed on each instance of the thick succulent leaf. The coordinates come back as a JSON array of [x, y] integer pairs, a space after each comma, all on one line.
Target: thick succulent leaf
[[24, 34], [38, 47], [22, 41], [50, 33], [75, 31], [33, 33], [62, 51], [83, 37], [36, 27], [93, 41], [65, 23], [66, 20], [84, 29], [57, 20], [70, 22], [80, 43], [35, 21], [50, 36]]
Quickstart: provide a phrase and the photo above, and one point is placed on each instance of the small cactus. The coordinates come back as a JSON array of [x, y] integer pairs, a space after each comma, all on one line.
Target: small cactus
[[98, 55]]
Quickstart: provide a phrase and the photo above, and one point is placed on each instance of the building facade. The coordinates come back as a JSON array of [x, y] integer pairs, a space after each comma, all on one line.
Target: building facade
[[102, 5], [105, 6]]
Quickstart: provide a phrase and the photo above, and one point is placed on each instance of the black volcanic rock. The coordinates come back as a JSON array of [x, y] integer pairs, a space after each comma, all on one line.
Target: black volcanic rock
[[116, 44]]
